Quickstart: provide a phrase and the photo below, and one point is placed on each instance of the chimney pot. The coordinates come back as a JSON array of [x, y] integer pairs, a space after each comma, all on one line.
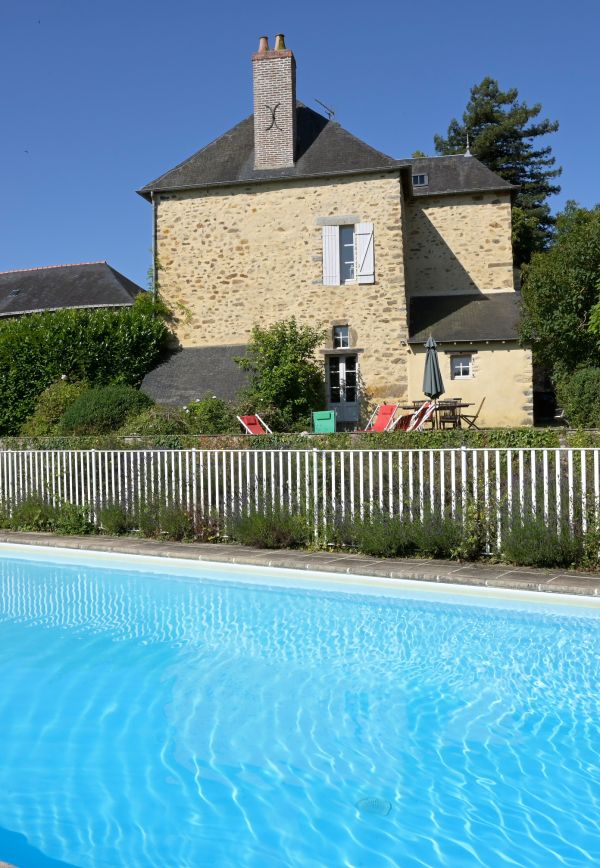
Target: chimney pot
[[274, 77]]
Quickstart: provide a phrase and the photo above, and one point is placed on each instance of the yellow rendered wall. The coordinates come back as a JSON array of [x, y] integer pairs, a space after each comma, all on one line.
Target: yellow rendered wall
[[502, 373]]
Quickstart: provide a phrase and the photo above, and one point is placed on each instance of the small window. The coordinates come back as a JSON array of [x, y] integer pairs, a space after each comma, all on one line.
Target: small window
[[341, 337], [461, 367], [347, 254], [420, 180]]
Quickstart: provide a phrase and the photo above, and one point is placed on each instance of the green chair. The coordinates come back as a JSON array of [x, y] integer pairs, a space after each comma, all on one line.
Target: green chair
[[323, 421]]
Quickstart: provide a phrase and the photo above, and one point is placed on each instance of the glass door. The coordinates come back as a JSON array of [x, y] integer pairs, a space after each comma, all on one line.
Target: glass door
[[343, 388]]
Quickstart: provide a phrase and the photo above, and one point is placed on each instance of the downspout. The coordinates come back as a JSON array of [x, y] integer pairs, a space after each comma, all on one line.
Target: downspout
[[154, 263]]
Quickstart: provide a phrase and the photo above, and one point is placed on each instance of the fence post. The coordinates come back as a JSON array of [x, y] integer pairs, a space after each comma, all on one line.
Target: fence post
[[316, 490], [93, 504]]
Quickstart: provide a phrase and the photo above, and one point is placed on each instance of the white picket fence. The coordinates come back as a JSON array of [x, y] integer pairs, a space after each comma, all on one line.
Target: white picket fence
[[560, 484]]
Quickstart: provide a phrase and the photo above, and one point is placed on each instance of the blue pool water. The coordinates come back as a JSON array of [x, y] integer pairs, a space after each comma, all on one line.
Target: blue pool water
[[155, 720]]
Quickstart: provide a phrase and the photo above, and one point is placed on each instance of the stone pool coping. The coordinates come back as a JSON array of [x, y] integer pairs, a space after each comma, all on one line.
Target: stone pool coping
[[449, 572]]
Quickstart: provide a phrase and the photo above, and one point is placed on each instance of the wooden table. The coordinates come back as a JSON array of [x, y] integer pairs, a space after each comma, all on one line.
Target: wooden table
[[440, 405]]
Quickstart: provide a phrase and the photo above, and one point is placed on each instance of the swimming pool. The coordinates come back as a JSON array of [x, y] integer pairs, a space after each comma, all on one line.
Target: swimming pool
[[153, 718]]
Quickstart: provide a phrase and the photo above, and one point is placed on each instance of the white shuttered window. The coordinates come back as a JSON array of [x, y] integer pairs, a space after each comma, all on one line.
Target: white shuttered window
[[365, 254], [341, 241], [331, 255]]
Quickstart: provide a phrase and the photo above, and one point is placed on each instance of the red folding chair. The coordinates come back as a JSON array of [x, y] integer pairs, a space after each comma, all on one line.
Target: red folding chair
[[422, 415], [254, 425], [382, 419]]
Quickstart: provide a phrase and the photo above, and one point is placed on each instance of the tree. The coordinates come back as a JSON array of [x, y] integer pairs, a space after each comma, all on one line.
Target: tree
[[286, 381], [560, 293], [502, 134]]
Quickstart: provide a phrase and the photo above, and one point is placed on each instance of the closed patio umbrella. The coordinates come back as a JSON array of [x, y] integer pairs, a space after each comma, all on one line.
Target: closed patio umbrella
[[433, 385]]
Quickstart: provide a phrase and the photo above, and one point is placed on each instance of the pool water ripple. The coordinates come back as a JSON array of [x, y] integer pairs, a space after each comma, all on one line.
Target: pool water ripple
[[165, 721]]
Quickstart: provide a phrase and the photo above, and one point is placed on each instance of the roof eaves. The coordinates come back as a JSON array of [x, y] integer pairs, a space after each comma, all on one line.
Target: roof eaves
[[511, 188], [463, 340], [64, 307], [146, 194]]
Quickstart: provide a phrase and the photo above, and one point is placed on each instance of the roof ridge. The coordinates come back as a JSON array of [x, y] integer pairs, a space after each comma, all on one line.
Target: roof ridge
[[47, 267]]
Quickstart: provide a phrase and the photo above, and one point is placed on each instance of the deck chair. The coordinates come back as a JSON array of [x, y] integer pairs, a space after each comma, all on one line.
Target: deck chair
[[422, 415], [471, 420], [382, 419], [323, 421], [254, 425]]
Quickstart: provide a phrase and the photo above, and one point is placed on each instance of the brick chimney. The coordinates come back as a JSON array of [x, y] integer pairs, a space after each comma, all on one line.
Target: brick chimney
[[274, 76]]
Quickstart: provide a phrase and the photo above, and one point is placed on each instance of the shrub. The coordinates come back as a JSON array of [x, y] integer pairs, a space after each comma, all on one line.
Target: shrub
[[579, 396], [384, 536], [157, 420], [5, 519], [115, 519], [100, 346], [175, 522], [51, 406], [208, 527], [438, 536], [102, 410], [211, 415], [68, 518], [33, 513], [147, 520], [435, 536], [271, 529], [535, 543], [286, 381]]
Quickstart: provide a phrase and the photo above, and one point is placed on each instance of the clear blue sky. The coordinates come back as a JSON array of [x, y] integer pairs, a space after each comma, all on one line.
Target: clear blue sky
[[99, 98]]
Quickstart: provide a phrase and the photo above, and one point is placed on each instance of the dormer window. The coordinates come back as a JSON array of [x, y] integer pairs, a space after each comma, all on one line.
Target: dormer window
[[420, 180]]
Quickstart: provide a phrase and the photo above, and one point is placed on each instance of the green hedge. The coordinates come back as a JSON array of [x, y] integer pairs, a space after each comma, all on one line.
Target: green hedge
[[579, 396], [496, 438], [98, 346]]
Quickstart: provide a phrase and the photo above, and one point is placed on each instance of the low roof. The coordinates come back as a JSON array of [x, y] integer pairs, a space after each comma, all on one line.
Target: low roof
[[323, 148], [194, 372], [456, 174], [87, 284], [459, 318]]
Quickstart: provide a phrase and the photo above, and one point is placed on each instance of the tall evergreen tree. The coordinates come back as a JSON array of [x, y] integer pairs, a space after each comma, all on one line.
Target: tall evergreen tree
[[503, 134]]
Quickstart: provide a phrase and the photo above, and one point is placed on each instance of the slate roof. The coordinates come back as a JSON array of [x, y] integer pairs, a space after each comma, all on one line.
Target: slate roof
[[458, 318], [87, 284], [456, 174], [194, 372], [323, 148]]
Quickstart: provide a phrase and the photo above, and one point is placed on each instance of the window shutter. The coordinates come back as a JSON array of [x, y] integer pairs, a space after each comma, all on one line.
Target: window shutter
[[331, 255], [365, 254]]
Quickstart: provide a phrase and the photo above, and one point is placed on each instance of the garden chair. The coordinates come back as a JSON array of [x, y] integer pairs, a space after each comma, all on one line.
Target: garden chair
[[254, 425], [421, 416], [323, 421], [472, 419], [382, 419], [449, 413]]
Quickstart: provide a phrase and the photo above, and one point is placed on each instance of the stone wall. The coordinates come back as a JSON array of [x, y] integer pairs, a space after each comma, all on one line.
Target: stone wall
[[459, 244], [233, 257], [502, 374]]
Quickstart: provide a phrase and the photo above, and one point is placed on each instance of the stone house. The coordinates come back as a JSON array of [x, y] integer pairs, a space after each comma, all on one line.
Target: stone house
[[288, 214]]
